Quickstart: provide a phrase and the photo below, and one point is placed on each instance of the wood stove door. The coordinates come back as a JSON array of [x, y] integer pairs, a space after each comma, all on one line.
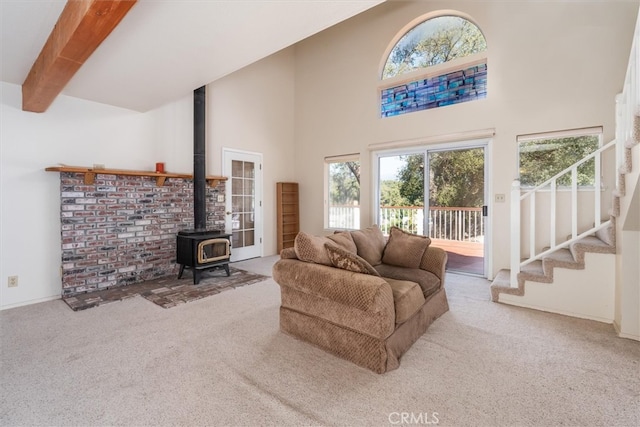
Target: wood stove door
[[244, 203]]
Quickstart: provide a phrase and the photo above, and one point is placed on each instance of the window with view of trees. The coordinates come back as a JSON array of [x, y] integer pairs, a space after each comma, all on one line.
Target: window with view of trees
[[544, 157], [343, 194], [435, 41]]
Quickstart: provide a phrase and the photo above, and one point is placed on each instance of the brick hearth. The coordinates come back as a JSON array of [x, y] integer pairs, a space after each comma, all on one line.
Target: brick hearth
[[122, 229]]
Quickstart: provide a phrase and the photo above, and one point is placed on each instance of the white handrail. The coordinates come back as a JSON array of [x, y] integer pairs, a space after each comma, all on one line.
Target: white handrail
[[551, 185]]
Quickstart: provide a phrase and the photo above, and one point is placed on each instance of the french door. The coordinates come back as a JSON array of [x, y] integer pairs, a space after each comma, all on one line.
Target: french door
[[243, 203], [440, 193]]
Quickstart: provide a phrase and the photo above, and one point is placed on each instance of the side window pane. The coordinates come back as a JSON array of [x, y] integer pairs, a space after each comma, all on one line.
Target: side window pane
[[541, 159], [343, 190]]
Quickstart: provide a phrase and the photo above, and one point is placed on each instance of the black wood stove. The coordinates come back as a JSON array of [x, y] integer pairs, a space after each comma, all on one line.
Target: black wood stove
[[201, 249]]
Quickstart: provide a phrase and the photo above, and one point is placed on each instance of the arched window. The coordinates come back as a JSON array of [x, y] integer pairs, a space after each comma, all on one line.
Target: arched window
[[444, 59]]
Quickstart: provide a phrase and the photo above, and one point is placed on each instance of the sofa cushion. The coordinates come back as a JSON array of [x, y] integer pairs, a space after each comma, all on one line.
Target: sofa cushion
[[344, 240], [342, 258], [428, 281], [407, 298], [370, 244], [288, 253], [404, 249], [310, 248]]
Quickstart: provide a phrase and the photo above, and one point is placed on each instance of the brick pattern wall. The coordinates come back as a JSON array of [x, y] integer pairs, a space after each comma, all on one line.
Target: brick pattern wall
[[452, 88], [122, 229]]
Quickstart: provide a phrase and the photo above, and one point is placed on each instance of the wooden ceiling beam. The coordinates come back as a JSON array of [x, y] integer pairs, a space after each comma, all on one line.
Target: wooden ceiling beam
[[81, 27]]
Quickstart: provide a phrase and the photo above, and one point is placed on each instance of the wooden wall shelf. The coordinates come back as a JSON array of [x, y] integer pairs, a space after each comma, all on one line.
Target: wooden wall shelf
[[90, 174]]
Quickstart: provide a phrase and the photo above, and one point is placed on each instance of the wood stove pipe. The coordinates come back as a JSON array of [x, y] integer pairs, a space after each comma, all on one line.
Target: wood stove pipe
[[199, 164]]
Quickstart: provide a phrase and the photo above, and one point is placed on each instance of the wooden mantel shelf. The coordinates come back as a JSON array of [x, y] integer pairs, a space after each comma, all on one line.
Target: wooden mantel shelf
[[90, 174]]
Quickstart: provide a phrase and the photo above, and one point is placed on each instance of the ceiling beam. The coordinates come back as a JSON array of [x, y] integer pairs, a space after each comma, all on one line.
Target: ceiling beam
[[81, 27]]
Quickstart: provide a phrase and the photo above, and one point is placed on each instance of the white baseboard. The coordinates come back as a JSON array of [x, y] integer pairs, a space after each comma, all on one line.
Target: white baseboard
[[554, 311], [625, 335], [33, 301]]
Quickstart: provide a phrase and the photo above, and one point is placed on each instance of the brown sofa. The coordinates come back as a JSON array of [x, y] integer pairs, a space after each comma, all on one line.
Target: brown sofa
[[360, 296]]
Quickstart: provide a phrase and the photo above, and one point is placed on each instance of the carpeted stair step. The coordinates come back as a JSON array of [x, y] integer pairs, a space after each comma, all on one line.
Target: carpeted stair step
[[502, 285], [590, 244], [534, 271], [562, 258]]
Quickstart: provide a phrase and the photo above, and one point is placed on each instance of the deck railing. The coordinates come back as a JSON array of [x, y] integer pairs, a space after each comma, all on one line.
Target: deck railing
[[455, 223]]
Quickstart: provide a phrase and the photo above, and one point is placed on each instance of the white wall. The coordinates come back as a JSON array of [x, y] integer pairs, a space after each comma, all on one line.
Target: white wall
[[551, 66], [73, 132], [249, 110], [253, 110]]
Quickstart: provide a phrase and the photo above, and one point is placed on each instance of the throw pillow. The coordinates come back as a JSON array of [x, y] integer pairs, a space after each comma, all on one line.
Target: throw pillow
[[405, 249], [342, 258], [310, 248], [370, 243], [344, 239]]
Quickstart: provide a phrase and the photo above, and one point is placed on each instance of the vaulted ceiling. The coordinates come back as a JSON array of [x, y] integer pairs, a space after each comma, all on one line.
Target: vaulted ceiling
[[164, 49]]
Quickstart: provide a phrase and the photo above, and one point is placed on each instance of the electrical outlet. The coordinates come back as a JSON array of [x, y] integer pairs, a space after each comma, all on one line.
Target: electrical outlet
[[500, 198], [220, 198], [12, 282]]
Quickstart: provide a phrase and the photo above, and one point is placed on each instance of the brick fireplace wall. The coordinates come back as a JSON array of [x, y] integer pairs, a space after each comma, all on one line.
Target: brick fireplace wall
[[122, 229]]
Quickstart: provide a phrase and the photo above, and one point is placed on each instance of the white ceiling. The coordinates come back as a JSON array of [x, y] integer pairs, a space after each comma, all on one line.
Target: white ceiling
[[164, 49]]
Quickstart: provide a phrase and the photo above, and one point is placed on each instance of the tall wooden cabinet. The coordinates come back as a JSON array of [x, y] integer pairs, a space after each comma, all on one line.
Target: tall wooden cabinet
[[288, 214]]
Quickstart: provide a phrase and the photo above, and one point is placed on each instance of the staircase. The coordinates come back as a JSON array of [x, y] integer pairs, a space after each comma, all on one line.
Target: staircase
[[577, 276]]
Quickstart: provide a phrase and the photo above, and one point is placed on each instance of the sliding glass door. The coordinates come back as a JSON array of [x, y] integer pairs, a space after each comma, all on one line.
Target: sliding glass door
[[438, 193]]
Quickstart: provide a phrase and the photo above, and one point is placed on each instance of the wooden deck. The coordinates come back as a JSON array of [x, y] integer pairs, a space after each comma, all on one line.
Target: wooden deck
[[467, 257]]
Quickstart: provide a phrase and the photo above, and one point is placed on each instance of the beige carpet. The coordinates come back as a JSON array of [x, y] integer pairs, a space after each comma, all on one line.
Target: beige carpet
[[221, 361]]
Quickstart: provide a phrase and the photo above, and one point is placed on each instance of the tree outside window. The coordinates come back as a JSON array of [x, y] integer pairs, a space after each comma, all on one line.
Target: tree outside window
[[434, 41], [541, 159], [343, 207]]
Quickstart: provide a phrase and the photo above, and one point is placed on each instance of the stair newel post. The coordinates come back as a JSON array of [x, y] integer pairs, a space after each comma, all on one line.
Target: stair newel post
[[515, 232]]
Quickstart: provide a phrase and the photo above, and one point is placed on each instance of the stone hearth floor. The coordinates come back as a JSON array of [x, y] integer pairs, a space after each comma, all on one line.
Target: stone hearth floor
[[168, 291]]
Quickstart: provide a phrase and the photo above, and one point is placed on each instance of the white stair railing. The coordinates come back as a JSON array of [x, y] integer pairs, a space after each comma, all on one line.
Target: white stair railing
[[551, 186]]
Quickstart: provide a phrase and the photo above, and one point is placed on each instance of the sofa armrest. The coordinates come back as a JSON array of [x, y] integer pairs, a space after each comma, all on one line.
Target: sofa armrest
[[434, 260], [362, 291], [288, 253]]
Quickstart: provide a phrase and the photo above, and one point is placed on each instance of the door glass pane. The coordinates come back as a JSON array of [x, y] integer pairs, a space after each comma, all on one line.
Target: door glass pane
[[249, 186], [236, 185], [456, 197], [402, 193], [249, 238], [249, 170], [237, 168], [236, 239], [236, 203], [248, 221]]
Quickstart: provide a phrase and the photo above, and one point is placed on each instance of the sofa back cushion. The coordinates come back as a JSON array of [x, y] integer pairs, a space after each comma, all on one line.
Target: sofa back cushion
[[344, 240], [343, 259], [310, 248], [370, 244], [404, 249]]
